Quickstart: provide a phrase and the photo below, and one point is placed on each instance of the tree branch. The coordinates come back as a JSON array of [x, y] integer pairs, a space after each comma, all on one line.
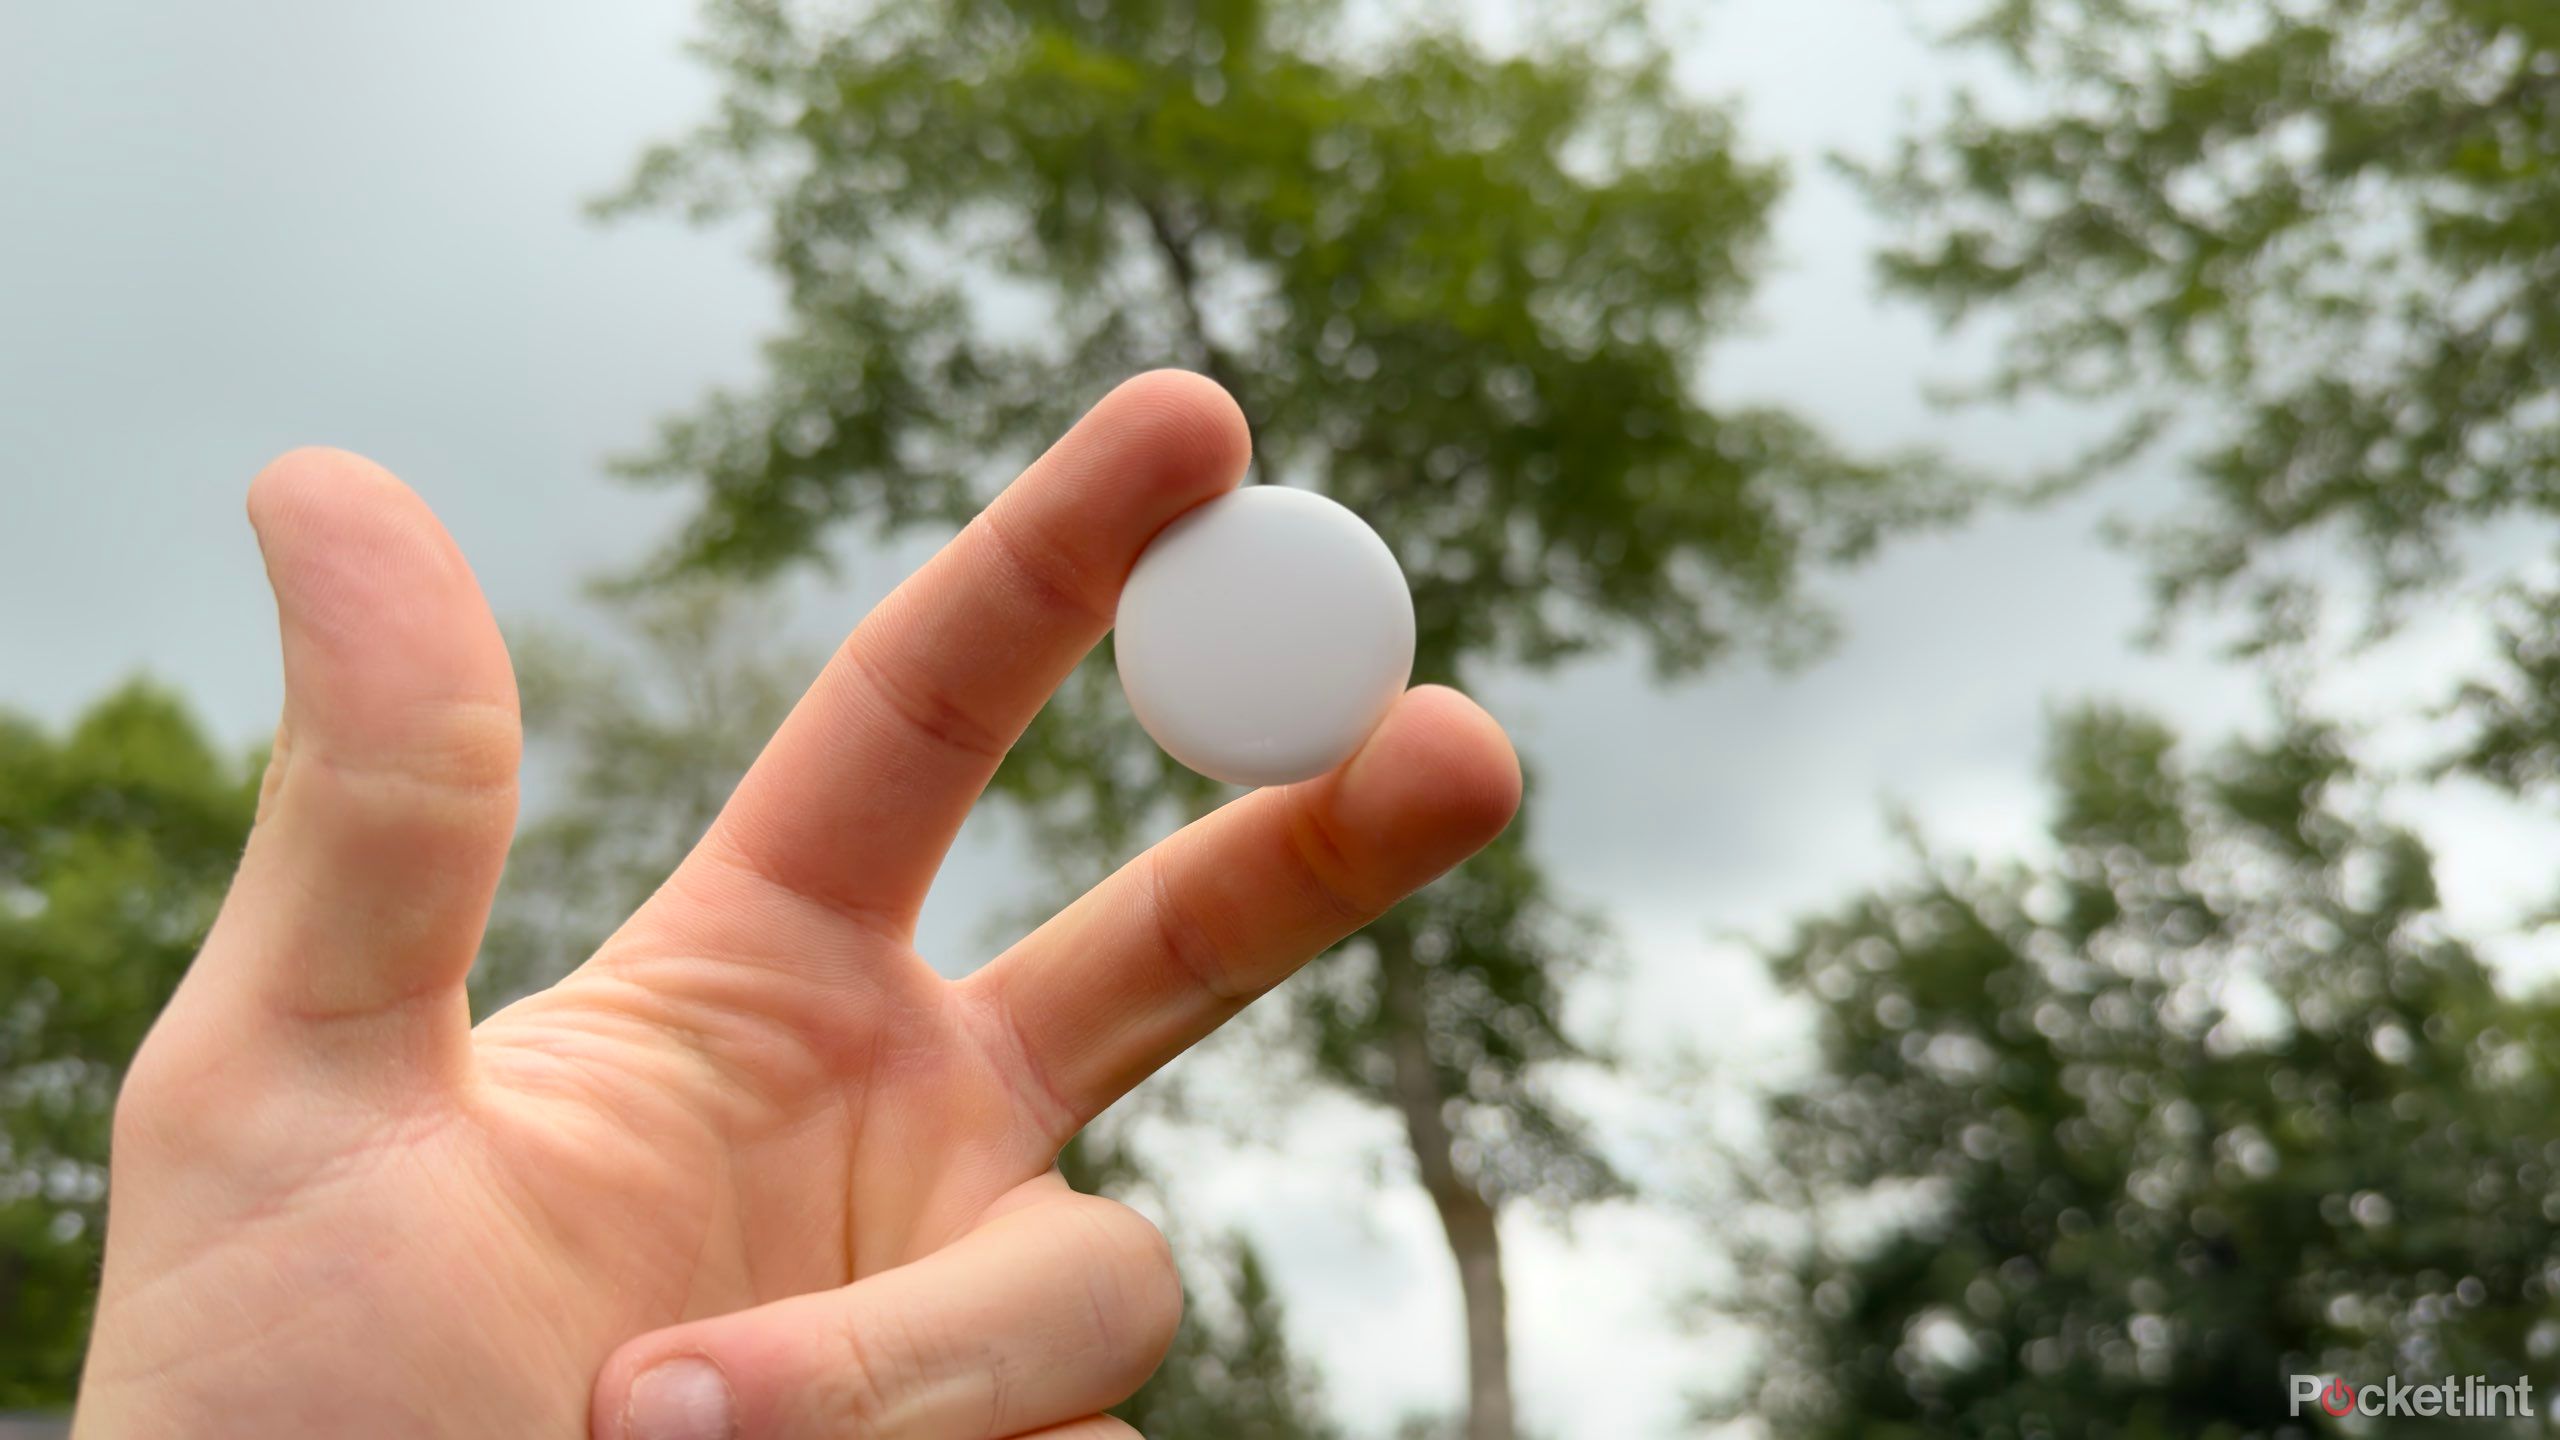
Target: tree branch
[[1175, 246]]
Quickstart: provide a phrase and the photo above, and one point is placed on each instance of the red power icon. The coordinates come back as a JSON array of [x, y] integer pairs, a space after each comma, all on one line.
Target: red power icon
[[2338, 1397]]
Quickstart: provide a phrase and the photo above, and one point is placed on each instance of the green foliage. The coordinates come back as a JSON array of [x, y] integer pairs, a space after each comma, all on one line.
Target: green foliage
[[2114, 1143], [1466, 295], [2321, 234], [117, 842], [2514, 713], [2231, 1102]]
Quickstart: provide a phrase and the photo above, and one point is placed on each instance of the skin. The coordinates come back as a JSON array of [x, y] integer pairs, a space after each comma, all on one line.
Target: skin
[[753, 1154]]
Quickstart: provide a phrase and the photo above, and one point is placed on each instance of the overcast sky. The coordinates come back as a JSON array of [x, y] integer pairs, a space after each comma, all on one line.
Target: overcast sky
[[234, 229]]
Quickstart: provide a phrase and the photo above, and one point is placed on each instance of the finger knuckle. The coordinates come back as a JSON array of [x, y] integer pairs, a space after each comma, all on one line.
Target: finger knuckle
[[1333, 882], [881, 1360], [1135, 1286], [1185, 940], [926, 709], [1053, 579], [466, 751]]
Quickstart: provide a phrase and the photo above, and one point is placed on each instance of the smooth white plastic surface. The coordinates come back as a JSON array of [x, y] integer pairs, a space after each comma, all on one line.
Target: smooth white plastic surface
[[1263, 635]]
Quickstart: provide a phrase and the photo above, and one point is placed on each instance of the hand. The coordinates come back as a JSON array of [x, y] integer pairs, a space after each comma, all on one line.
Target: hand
[[754, 1170]]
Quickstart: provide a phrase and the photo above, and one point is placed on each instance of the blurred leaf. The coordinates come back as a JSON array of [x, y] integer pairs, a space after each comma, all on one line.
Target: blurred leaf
[[2114, 1144], [2324, 235], [117, 842]]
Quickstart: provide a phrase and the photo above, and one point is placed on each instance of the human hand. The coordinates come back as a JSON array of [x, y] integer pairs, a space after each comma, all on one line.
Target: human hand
[[753, 1171]]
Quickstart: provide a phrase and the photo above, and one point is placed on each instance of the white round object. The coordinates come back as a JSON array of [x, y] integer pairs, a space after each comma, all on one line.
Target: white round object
[[1263, 635]]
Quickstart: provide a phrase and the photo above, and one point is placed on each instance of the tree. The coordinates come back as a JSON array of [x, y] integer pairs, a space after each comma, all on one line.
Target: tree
[[1467, 294], [2114, 1143], [117, 841], [2324, 239]]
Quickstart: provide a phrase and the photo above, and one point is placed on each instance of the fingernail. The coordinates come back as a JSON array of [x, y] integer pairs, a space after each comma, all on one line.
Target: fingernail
[[683, 1399]]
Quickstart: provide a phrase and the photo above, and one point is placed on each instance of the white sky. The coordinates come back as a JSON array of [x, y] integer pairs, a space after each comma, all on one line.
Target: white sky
[[233, 229]]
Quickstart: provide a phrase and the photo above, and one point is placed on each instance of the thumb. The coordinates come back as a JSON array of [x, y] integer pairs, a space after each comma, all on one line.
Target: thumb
[[1041, 1317], [386, 810]]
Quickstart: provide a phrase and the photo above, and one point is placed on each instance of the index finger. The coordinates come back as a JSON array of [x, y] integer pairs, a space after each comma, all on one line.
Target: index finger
[[862, 790]]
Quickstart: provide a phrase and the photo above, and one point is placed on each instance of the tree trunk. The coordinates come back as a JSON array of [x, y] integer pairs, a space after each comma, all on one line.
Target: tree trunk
[[1467, 1217]]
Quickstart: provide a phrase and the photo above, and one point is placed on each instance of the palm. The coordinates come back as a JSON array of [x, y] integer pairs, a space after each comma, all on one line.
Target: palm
[[603, 1148], [804, 1157], [756, 1094]]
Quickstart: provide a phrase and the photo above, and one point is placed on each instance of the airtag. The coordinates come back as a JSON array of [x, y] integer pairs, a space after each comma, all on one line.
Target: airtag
[[1263, 635]]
